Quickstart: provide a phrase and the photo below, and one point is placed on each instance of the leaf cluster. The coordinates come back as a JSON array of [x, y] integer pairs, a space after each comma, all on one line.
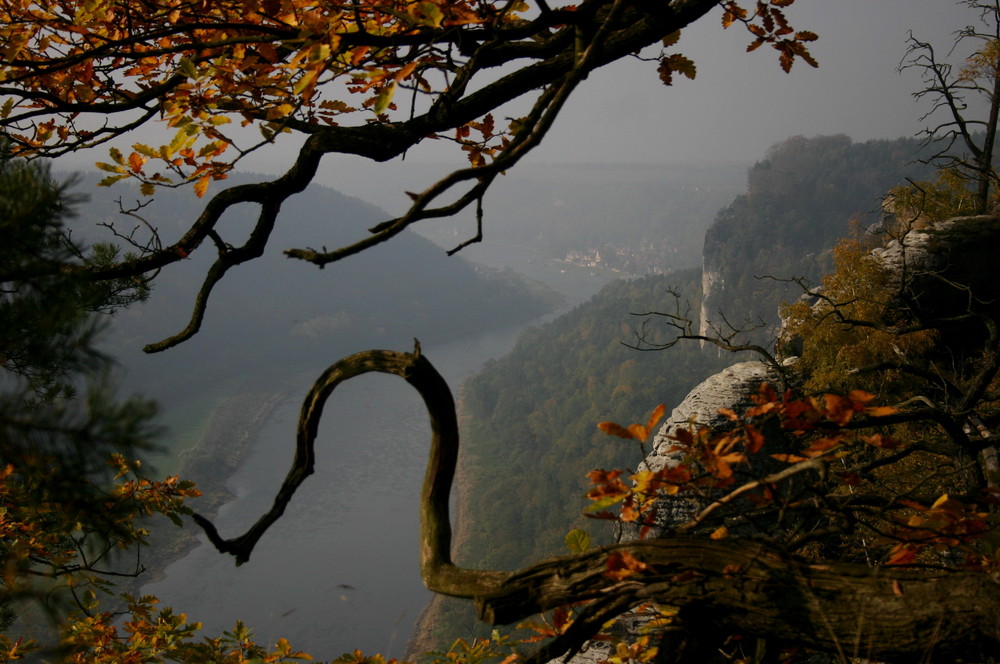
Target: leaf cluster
[[84, 74], [841, 333]]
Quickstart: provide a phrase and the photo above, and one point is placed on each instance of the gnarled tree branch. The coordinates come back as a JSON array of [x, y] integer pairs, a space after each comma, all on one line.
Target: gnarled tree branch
[[748, 587]]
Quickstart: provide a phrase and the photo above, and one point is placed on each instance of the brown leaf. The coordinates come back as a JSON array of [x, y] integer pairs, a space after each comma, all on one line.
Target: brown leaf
[[615, 429], [622, 564]]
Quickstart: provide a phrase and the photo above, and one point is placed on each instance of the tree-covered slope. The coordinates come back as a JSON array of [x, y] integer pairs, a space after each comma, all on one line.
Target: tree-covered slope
[[531, 418], [529, 426], [800, 199]]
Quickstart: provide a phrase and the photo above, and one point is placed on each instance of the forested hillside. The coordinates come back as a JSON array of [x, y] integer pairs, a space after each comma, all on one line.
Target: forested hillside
[[800, 199], [531, 417]]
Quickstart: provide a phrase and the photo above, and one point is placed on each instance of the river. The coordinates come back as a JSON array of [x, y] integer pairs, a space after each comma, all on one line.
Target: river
[[340, 570]]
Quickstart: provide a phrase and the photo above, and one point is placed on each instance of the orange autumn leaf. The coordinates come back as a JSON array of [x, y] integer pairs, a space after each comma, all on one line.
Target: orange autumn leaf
[[622, 564], [615, 429], [789, 458], [201, 186], [136, 162], [880, 411], [656, 416]]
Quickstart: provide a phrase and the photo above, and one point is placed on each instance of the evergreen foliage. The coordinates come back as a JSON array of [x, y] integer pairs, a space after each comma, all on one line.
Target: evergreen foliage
[[64, 435]]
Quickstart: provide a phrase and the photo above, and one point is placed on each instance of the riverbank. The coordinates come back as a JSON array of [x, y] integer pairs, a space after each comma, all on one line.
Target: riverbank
[[335, 573], [426, 636], [228, 436]]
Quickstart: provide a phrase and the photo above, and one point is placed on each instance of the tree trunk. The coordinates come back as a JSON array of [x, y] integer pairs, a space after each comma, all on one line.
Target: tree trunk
[[849, 609]]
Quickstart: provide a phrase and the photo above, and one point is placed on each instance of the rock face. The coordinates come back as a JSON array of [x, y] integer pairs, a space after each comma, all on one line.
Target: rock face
[[947, 268], [713, 287], [730, 388]]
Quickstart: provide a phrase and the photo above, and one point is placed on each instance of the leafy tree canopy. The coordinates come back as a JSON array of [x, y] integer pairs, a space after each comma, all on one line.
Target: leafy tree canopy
[[368, 79]]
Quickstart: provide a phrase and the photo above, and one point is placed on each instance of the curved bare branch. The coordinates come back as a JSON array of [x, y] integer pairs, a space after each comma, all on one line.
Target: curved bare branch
[[747, 587]]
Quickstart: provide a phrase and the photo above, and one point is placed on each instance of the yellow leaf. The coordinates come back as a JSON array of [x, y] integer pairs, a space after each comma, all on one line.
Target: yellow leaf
[[110, 180], [187, 68], [110, 168], [940, 501], [145, 150], [201, 186], [384, 97], [432, 14], [721, 533], [307, 80], [577, 541]]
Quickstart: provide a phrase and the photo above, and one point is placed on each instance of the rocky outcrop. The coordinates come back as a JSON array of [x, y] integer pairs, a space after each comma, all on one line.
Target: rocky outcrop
[[712, 288], [730, 388], [947, 268]]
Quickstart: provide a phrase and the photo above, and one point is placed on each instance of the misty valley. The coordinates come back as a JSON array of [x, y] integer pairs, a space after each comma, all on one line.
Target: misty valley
[[539, 314]]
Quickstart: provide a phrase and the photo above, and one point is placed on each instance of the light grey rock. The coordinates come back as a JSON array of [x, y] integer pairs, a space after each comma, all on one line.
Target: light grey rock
[[947, 267], [712, 284], [730, 388]]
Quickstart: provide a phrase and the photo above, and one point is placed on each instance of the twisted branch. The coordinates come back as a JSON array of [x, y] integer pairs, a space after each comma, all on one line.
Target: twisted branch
[[749, 587]]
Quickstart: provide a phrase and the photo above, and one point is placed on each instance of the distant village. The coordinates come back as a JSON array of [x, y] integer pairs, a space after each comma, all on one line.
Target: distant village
[[644, 259]]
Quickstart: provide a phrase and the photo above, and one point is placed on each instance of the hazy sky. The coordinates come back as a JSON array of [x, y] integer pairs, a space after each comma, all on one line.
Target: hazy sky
[[742, 103], [739, 104]]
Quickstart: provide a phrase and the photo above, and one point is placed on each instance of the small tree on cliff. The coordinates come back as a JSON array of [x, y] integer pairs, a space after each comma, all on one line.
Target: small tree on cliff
[[962, 140]]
